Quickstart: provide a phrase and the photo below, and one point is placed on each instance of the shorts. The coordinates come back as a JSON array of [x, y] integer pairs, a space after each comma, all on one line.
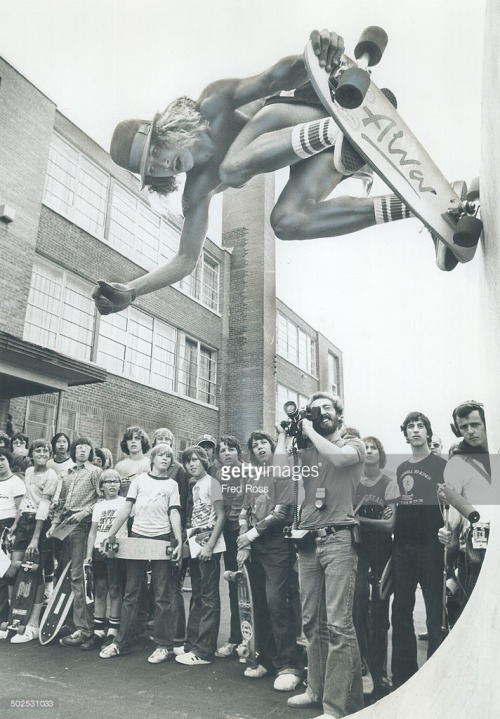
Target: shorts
[[113, 570], [25, 530]]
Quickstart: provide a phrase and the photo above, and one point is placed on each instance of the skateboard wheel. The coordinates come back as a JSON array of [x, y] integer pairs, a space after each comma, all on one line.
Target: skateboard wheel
[[468, 231], [390, 96], [243, 652], [352, 88], [373, 41], [473, 193]]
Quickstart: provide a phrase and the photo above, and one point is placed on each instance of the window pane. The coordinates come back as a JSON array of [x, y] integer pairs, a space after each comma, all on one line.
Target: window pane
[[91, 197], [60, 180], [210, 283], [44, 306]]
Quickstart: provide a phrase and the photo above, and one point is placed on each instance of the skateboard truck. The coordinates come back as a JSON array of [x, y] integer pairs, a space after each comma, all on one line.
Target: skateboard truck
[[355, 81]]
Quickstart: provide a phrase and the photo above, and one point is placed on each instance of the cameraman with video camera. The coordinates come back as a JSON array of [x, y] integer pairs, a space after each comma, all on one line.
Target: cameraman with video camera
[[331, 468]]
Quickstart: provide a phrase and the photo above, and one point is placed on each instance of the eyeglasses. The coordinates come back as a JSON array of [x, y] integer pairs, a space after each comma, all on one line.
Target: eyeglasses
[[111, 481]]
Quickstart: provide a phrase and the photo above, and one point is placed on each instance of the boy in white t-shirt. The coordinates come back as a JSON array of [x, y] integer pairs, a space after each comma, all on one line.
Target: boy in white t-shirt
[[108, 573], [155, 499], [12, 490], [208, 515], [30, 526]]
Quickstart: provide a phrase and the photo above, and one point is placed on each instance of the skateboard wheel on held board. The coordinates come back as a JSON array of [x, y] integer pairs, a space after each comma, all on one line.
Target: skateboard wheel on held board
[[373, 42], [468, 231], [352, 88], [243, 651]]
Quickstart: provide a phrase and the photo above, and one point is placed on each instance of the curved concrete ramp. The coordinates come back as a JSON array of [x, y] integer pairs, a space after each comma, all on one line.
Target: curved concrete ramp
[[462, 679]]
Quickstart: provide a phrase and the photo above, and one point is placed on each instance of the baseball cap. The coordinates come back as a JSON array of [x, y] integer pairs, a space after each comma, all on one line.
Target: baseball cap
[[206, 438]]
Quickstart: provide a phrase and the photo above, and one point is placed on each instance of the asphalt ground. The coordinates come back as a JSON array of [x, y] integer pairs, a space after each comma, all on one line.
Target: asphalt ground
[[80, 685]]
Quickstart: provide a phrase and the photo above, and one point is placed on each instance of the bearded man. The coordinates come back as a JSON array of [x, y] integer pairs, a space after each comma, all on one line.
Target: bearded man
[[331, 470]]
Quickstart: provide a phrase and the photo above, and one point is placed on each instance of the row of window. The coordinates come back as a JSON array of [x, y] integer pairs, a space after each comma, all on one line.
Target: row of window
[[295, 345], [41, 422], [84, 193], [60, 315]]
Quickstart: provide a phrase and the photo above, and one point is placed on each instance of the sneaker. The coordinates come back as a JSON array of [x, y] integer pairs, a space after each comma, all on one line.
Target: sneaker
[[286, 682], [92, 642], [226, 650], [111, 650], [191, 660], [4, 634], [160, 654], [303, 701], [28, 635], [74, 640], [179, 650], [255, 672]]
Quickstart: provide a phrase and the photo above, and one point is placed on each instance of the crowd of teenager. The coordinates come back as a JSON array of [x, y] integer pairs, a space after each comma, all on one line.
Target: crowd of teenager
[[326, 534]]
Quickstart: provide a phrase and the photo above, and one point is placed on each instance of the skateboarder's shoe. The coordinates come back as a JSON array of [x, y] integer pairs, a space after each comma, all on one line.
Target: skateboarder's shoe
[[28, 635], [286, 682], [160, 654], [226, 650], [4, 634], [303, 701], [255, 672], [191, 660], [112, 297], [75, 639], [180, 650]]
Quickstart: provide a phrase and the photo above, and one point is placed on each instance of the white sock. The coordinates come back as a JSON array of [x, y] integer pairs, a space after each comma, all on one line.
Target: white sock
[[309, 138], [389, 208]]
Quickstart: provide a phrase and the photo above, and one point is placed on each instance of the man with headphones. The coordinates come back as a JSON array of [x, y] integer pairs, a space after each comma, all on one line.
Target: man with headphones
[[417, 554], [468, 472]]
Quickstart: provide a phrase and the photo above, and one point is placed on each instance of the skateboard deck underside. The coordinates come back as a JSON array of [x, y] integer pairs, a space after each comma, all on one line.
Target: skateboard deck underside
[[245, 606], [140, 548], [379, 134], [23, 597], [58, 607]]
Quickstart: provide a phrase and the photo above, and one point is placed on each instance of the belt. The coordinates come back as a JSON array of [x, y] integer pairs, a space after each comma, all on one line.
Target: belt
[[327, 531]]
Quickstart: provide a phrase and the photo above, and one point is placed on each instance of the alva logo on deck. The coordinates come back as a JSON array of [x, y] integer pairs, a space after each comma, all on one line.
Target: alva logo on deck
[[392, 147]]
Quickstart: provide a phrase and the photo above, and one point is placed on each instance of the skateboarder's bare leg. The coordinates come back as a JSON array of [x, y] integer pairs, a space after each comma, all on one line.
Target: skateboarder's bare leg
[[268, 143], [303, 213], [277, 136]]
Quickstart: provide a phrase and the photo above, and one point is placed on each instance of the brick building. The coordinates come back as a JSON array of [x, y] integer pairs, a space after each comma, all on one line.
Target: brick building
[[216, 352]]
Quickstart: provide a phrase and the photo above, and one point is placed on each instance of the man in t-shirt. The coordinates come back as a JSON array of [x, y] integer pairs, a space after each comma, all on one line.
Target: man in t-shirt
[[417, 555], [468, 472], [331, 469]]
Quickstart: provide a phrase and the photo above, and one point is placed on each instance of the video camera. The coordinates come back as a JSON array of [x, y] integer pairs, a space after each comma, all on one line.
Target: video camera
[[295, 416]]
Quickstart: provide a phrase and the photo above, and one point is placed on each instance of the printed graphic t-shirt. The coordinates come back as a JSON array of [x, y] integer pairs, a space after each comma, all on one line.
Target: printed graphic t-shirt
[[206, 491], [104, 513]]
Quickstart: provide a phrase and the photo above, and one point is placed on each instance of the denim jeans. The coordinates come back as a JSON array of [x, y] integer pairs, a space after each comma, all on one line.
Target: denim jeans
[[414, 565], [204, 611], [231, 564], [163, 593], [270, 572], [370, 613], [327, 577], [75, 548]]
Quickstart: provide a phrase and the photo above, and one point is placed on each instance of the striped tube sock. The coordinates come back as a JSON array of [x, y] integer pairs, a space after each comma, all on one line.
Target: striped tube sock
[[389, 208], [309, 138]]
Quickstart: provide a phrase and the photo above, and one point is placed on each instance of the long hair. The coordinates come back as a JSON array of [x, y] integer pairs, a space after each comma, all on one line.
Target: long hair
[[176, 127]]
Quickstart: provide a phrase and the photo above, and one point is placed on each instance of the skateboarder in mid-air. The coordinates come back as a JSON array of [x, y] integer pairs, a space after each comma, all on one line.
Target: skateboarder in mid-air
[[237, 129]]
